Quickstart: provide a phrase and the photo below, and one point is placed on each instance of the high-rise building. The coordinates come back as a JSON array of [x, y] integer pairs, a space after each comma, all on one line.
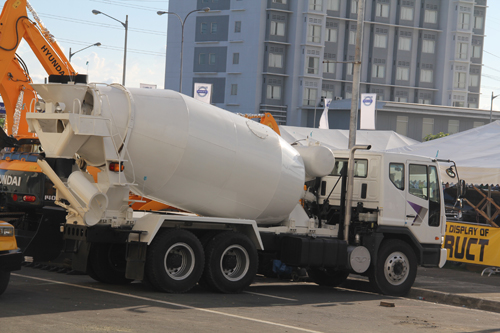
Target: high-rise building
[[282, 56]]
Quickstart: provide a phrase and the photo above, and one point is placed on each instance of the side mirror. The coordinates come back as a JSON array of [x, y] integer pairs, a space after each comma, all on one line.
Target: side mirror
[[450, 172], [461, 189]]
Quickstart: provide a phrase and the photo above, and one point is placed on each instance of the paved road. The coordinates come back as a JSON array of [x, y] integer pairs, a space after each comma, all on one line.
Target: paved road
[[41, 301]]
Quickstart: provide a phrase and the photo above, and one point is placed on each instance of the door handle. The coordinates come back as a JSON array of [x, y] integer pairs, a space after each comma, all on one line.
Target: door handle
[[411, 216]]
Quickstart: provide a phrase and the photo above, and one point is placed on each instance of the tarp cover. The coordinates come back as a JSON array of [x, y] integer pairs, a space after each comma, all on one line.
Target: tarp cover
[[476, 153], [339, 139]]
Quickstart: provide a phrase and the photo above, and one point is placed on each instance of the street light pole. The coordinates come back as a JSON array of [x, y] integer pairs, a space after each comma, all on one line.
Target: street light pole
[[125, 25], [72, 54], [206, 10], [491, 106]]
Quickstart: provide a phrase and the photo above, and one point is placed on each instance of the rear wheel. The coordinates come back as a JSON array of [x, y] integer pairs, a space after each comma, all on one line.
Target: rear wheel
[[396, 268], [231, 262], [327, 276], [174, 261], [4, 281], [107, 263]]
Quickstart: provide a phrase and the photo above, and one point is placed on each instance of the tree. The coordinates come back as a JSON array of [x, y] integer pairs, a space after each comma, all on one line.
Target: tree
[[435, 136]]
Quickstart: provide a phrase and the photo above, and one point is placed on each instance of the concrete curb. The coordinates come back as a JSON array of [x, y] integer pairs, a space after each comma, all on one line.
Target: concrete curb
[[454, 299]]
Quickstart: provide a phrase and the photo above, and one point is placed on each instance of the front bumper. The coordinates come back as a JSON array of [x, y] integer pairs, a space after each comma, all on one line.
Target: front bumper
[[11, 260]]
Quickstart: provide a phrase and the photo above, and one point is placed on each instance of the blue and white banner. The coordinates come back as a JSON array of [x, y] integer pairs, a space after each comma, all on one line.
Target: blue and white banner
[[367, 113], [323, 121], [203, 92]]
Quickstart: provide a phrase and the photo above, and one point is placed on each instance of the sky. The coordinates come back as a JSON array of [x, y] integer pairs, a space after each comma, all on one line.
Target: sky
[[74, 26]]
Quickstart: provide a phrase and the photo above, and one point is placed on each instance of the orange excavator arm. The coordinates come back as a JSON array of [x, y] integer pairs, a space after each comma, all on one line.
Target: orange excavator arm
[[15, 83]]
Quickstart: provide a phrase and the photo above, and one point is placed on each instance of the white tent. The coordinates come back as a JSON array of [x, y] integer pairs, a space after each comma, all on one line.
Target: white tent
[[339, 139], [476, 153]]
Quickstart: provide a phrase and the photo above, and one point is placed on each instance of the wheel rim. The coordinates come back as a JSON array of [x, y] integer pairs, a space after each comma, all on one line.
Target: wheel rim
[[234, 262], [179, 261], [397, 268]]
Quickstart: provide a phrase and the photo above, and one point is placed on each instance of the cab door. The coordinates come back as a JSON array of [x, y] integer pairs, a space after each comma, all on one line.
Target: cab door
[[417, 199]]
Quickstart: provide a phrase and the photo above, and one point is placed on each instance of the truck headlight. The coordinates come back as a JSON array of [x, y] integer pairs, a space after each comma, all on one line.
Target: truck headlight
[[6, 231]]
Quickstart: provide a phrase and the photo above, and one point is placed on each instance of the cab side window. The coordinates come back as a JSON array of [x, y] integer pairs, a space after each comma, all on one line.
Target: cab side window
[[397, 175], [418, 181]]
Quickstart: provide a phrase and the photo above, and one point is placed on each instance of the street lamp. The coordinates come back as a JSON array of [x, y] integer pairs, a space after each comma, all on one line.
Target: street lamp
[[125, 25], [206, 10], [491, 107], [72, 54]]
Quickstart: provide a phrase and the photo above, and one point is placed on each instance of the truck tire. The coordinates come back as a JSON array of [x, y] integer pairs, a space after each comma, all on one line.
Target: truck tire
[[396, 268], [231, 262], [327, 277], [4, 281], [175, 261], [107, 263]]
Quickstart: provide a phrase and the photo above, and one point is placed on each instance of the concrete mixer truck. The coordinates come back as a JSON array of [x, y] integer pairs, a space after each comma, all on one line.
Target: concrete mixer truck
[[250, 195]]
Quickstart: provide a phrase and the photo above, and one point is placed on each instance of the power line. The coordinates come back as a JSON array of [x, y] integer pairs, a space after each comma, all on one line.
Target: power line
[[120, 3], [69, 19], [115, 48]]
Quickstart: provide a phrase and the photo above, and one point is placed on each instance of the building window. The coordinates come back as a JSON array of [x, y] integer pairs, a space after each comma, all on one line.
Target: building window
[[428, 46], [473, 80], [427, 127], [404, 44], [403, 73], [213, 28], [236, 58], [464, 21], [378, 71], [477, 123], [327, 94], [283, 2], [406, 13], [332, 5], [316, 5], [462, 49], [380, 41], [314, 34], [234, 89], [211, 59], [237, 26], [331, 35], [476, 51], [382, 10], [312, 65], [273, 92], [402, 125], [354, 6], [454, 125], [473, 105], [424, 101], [277, 28], [202, 59], [329, 67], [401, 99], [459, 80], [426, 75], [348, 95], [204, 28], [430, 16], [352, 37], [310, 96], [478, 22], [349, 69], [275, 60]]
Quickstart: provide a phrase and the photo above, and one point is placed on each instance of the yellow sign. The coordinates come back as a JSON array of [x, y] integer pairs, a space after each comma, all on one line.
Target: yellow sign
[[16, 4], [472, 243]]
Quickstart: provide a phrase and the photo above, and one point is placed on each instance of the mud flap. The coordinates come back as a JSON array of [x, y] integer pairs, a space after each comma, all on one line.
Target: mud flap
[[136, 260]]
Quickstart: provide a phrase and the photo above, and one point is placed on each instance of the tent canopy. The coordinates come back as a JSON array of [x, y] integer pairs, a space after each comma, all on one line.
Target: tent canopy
[[476, 153], [339, 139]]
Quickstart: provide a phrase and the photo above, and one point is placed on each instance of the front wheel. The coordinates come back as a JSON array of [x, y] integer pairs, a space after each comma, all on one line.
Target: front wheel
[[327, 277], [4, 281], [231, 262], [396, 268], [174, 261]]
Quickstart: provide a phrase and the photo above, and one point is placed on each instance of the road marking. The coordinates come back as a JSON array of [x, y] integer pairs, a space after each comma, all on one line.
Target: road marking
[[272, 296], [170, 303]]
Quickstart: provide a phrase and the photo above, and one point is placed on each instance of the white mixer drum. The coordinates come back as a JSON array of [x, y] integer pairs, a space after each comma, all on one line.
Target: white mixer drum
[[203, 159]]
